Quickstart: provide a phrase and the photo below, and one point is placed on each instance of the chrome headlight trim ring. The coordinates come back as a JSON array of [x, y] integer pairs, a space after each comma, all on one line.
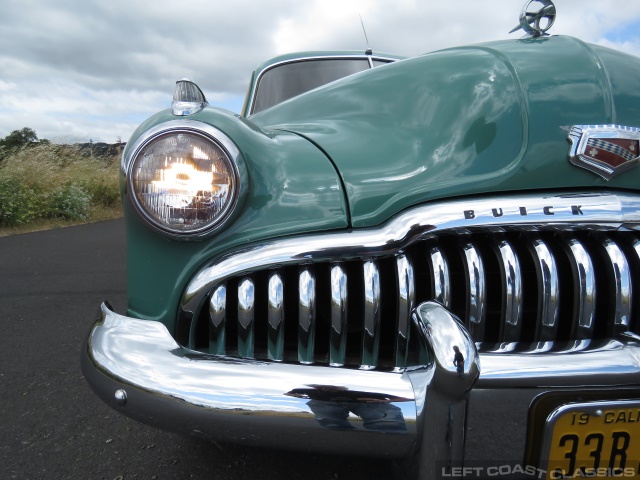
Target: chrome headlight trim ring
[[210, 134]]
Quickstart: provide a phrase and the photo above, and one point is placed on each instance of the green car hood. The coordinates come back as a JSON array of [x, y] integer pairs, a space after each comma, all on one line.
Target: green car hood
[[487, 118]]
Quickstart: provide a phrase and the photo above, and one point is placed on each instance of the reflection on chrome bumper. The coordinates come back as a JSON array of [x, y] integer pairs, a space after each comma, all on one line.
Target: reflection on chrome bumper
[[136, 367]]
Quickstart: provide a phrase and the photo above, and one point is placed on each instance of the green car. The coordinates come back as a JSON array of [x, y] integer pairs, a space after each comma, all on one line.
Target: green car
[[434, 260]]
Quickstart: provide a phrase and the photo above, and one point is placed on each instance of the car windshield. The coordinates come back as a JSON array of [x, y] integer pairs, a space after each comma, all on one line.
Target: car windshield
[[288, 80]]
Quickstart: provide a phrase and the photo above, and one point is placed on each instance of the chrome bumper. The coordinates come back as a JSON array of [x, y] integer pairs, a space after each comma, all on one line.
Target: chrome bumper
[[136, 367], [425, 414]]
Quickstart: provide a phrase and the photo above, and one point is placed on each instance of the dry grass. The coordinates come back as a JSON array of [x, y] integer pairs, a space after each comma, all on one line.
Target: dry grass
[[51, 186]]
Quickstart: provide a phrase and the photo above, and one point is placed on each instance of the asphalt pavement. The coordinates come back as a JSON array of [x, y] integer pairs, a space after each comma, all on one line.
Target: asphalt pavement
[[52, 426]]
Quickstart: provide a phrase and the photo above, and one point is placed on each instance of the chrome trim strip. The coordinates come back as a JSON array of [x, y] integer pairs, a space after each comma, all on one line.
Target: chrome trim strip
[[476, 286], [354, 56], [599, 210], [622, 283], [585, 282], [275, 318], [246, 315], [306, 316], [406, 297], [371, 332], [227, 399], [217, 314], [512, 285], [370, 61], [440, 277], [338, 338], [548, 297]]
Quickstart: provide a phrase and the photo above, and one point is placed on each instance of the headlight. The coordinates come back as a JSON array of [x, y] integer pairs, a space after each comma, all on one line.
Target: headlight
[[184, 180]]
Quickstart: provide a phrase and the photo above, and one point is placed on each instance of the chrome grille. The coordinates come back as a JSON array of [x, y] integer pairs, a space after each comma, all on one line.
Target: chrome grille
[[312, 314], [517, 288]]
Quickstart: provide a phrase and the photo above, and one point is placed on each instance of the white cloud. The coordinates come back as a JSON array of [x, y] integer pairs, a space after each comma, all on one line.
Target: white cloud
[[96, 69], [324, 21]]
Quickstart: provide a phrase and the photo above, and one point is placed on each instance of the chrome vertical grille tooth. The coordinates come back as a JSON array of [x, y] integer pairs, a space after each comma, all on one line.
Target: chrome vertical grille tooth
[[622, 284], [585, 289], [476, 289], [338, 337], [406, 300], [440, 277], [511, 292], [371, 333], [246, 316], [636, 301], [275, 318], [548, 295], [306, 316], [217, 316]]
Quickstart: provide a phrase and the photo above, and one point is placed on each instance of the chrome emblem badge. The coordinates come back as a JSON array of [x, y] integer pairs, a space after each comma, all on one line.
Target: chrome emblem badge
[[606, 150]]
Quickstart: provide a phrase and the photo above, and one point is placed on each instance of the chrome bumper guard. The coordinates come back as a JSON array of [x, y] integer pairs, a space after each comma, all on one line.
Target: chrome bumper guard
[[422, 414]]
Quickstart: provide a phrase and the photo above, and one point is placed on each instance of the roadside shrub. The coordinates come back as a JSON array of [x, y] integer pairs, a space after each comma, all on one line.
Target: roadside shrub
[[103, 191], [46, 182], [71, 202], [19, 204]]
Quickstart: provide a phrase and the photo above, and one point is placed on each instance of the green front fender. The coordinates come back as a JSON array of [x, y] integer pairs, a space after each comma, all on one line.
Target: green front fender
[[292, 188]]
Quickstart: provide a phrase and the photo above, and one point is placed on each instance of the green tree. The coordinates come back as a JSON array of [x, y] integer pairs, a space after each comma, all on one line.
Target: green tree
[[19, 138]]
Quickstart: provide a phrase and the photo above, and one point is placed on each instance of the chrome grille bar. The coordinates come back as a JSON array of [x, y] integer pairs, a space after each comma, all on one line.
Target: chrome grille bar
[[622, 284], [405, 306], [306, 316], [476, 289], [440, 277], [275, 318], [338, 339], [371, 333], [585, 289], [511, 292], [246, 303], [548, 296], [217, 315]]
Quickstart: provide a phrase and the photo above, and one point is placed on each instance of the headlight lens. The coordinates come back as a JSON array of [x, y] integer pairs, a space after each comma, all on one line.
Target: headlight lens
[[184, 182]]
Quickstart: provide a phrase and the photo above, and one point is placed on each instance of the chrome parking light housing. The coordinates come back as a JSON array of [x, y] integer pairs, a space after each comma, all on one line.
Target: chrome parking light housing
[[187, 98]]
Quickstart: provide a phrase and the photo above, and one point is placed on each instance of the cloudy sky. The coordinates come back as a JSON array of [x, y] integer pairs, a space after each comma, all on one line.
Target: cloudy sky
[[75, 70]]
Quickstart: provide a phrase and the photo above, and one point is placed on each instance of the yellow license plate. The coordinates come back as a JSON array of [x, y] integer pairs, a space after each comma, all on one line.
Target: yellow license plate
[[593, 440]]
